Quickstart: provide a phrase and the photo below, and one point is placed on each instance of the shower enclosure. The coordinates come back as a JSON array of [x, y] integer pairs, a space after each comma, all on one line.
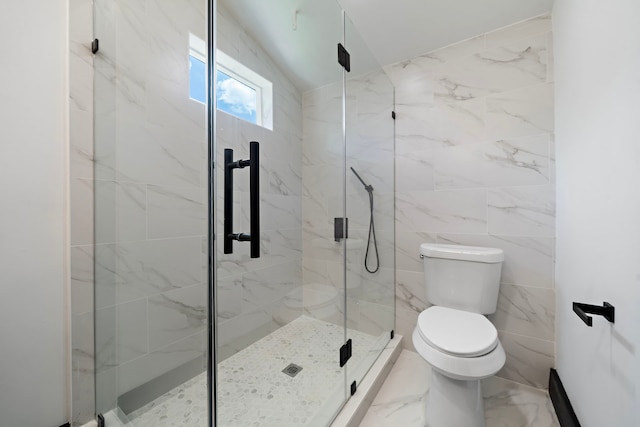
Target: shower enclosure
[[231, 232]]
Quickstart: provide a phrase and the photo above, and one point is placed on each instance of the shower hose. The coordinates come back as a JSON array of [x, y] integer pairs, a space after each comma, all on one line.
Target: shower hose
[[372, 236]]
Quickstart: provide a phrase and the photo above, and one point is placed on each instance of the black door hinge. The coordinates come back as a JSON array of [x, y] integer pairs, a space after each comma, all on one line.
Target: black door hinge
[[344, 58], [95, 46], [393, 115], [354, 387], [345, 353]]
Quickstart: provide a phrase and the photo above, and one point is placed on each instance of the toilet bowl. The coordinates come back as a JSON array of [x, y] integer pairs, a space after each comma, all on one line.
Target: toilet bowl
[[454, 336], [461, 351]]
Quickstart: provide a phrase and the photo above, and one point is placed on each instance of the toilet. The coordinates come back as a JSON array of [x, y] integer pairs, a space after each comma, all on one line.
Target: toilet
[[454, 336]]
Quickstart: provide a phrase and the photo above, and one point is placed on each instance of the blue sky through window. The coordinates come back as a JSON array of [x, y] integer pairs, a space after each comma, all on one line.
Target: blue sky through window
[[233, 96], [236, 98], [197, 80]]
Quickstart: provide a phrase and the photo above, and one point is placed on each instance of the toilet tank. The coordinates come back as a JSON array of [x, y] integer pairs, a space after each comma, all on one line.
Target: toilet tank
[[462, 277]]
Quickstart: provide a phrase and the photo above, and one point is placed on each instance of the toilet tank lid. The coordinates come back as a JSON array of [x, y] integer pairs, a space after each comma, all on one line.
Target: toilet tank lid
[[463, 253]]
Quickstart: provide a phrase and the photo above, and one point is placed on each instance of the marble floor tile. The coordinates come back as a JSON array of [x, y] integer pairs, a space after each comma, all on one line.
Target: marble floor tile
[[507, 404]]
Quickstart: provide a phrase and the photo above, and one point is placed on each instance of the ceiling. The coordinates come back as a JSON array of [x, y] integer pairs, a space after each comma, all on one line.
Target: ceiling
[[393, 30]]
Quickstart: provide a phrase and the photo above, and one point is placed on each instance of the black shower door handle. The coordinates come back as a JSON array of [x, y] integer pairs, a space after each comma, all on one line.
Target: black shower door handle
[[254, 199]]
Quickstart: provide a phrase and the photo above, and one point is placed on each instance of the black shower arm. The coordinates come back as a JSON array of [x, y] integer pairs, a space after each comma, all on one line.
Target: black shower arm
[[367, 187]]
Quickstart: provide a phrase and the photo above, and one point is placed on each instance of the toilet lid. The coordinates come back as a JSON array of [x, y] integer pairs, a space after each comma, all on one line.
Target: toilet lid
[[458, 333]]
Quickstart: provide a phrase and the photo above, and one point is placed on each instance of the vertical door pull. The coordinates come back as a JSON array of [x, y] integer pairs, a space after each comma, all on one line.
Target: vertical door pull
[[254, 199]]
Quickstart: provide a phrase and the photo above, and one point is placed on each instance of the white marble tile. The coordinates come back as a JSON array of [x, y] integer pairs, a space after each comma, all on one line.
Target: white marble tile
[[525, 29], [458, 167], [528, 359], [414, 171], [81, 191], [105, 339], [81, 29], [281, 212], [121, 211], [176, 315], [416, 128], [457, 50], [284, 178], [408, 249], [401, 399], [410, 302], [81, 146], [461, 122], [143, 369], [263, 287], [528, 261], [132, 330], [525, 211], [175, 211], [412, 81], [514, 162], [81, 270], [83, 365], [81, 112], [129, 271], [462, 211], [229, 297], [526, 311], [521, 112], [508, 404], [500, 69]]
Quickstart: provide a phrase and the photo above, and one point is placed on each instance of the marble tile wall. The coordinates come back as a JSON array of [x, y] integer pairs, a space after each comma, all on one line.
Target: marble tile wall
[[254, 294], [149, 184], [81, 193], [369, 150], [475, 166]]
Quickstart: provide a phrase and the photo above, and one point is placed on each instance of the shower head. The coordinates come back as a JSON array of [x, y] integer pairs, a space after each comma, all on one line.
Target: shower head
[[367, 187]]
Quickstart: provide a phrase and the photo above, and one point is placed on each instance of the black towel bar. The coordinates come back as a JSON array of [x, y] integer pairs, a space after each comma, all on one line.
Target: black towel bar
[[607, 311]]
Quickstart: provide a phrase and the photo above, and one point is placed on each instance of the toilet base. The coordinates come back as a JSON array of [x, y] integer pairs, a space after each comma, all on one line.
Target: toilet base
[[454, 403]]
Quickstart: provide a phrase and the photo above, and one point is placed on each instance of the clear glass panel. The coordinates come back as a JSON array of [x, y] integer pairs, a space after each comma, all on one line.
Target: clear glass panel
[[150, 214], [286, 307], [370, 206]]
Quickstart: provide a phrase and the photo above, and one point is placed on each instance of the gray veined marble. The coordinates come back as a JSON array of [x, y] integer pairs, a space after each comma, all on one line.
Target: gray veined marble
[[528, 211], [401, 400]]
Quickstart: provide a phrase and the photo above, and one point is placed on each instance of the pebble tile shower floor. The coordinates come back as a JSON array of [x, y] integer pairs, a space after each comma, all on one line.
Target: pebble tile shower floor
[[253, 390]]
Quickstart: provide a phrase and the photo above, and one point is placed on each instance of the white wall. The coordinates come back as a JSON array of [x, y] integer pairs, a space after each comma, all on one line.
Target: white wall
[[597, 48], [33, 327]]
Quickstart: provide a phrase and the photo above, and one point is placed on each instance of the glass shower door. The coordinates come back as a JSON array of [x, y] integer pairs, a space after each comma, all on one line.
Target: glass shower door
[[370, 254], [151, 213], [280, 316]]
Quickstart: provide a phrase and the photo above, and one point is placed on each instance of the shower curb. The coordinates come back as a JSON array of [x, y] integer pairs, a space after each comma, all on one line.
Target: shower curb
[[356, 407]]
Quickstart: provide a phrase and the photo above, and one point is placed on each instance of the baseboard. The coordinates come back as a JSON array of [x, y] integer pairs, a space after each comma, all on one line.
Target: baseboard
[[91, 424], [564, 411]]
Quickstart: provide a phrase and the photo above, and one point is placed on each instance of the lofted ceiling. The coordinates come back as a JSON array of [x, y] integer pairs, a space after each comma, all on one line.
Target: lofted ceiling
[[393, 30]]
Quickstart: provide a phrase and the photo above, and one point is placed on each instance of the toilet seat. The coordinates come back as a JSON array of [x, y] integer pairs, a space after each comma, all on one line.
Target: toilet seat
[[456, 332]]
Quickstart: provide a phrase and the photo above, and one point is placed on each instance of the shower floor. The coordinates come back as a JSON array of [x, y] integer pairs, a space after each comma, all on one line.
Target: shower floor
[[253, 390]]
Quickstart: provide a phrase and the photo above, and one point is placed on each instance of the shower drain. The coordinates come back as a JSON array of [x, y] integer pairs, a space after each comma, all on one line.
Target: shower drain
[[292, 370]]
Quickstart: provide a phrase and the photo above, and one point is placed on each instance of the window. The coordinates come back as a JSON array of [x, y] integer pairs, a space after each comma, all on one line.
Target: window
[[197, 79], [240, 91]]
